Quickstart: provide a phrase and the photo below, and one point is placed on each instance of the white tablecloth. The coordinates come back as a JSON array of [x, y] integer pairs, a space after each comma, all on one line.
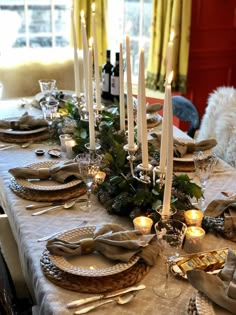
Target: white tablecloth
[[51, 299]]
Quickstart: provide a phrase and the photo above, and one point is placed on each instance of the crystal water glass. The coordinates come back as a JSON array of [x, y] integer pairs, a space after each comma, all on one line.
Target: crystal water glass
[[89, 166], [170, 235], [47, 86], [204, 164]]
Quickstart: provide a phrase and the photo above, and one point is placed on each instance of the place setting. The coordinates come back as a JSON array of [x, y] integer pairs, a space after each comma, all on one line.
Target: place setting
[[23, 129], [104, 259], [48, 181]]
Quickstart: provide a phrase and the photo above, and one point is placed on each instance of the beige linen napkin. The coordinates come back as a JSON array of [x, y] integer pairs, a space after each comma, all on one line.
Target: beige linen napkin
[[61, 172], [112, 241], [227, 210], [26, 122], [220, 289], [182, 148]]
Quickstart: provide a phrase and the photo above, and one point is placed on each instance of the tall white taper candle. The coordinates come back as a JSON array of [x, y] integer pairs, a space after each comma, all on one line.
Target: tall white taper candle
[[96, 63], [85, 55], [169, 165], [90, 101], [143, 116], [122, 101], [76, 59], [130, 109]]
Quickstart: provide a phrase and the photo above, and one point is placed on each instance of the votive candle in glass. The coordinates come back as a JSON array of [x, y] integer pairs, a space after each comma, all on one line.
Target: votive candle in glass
[[193, 239], [143, 224], [63, 138], [193, 217], [69, 148]]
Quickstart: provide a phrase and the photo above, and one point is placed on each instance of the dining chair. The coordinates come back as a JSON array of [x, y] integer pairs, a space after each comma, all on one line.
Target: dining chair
[[11, 280], [186, 111], [219, 122]]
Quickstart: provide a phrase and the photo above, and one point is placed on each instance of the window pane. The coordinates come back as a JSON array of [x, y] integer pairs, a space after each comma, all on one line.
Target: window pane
[[39, 19], [62, 19], [12, 20], [40, 42], [62, 41], [20, 42]]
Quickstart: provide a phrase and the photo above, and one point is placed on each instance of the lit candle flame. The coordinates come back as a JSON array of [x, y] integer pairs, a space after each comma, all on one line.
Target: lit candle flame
[[90, 42], [82, 16], [93, 6], [170, 77], [172, 35]]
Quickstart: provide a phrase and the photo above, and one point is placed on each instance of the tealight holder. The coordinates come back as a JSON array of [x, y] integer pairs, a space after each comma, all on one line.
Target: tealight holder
[[143, 224], [100, 177], [193, 217], [193, 239], [63, 138], [69, 144]]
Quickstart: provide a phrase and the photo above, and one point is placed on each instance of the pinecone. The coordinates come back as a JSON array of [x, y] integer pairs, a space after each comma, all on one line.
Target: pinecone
[[210, 224]]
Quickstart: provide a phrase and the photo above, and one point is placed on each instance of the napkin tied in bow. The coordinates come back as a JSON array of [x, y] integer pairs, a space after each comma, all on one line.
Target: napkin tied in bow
[[25, 122], [181, 148], [113, 242], [220, 289], [61, 172]]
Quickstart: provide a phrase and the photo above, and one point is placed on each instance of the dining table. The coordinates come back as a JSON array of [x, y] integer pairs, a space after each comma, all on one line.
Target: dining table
[[50, 298]]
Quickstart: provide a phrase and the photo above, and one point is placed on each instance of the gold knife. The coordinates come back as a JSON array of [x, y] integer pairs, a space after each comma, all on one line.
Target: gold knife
[[80, 302]]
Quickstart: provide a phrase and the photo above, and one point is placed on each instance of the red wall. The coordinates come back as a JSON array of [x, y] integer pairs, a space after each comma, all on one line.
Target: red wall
[[212, 58]]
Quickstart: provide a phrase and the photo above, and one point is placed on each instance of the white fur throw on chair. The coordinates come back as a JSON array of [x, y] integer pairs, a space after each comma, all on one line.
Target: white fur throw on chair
[[219, 122]]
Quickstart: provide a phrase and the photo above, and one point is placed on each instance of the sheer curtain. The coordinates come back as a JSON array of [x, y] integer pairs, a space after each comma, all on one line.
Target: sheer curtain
[[101, 24], [169, 15]]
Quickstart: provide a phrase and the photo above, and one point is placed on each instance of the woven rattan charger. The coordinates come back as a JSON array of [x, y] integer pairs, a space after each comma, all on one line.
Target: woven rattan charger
[[39, 136], [77, 283], [57, 195]]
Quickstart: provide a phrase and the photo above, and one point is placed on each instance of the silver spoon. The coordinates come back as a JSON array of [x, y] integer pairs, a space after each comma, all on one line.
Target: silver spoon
[[66, 205], [123, 299], [27, 144]]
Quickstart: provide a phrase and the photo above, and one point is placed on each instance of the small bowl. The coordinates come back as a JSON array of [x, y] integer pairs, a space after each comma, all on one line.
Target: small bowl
[[54, 153], [39, 152]]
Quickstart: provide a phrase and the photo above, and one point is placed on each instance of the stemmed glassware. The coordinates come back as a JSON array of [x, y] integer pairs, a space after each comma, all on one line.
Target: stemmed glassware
[[47, 86], [170, 235], [89, 165], [49, 105], [204, 164]]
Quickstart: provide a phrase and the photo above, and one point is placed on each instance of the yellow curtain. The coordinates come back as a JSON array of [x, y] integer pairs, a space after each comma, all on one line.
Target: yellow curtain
[[169, 15], [101, 24]]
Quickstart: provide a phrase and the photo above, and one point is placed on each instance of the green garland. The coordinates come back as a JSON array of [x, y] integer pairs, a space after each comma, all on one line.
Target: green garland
[[120, 193]]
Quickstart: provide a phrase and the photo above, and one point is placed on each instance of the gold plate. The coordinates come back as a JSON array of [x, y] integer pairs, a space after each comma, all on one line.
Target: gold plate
[[90, 265]]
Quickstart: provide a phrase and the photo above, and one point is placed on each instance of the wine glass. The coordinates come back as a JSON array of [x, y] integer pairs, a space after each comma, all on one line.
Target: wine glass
[[47, 86], [170, 235], [89, 165], [204, 164], [49, 109]]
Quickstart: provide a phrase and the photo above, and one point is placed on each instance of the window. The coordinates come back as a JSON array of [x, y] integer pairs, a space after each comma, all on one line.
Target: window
[[46, 24], [131, 17], [33, 23]]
